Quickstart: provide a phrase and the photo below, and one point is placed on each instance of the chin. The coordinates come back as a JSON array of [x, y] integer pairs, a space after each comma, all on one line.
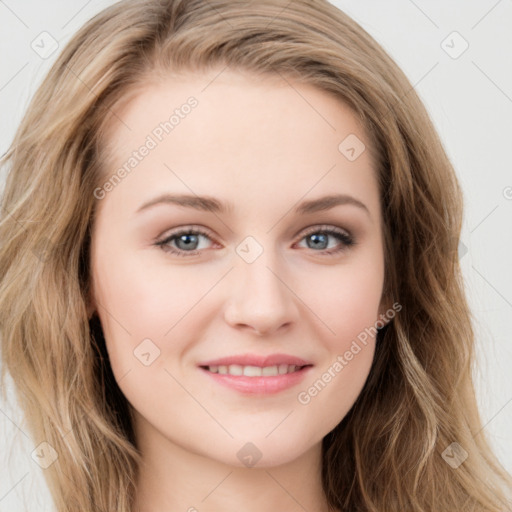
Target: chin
[[261, 452]]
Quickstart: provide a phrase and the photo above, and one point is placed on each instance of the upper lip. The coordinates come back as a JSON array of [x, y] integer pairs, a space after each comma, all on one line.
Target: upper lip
[[257, 360]]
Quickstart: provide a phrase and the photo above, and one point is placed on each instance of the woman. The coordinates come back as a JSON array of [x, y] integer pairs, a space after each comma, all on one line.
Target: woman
[[260, 369]]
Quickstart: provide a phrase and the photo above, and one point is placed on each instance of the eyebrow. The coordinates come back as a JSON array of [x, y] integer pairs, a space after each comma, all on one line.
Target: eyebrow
[[208, 203]]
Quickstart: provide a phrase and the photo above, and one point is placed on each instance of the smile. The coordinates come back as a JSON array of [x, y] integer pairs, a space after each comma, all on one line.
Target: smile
[[254, 371], [256, 380]]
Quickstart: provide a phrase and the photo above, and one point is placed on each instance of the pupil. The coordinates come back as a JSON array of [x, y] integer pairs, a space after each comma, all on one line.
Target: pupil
[[186, 239], [317, 238]]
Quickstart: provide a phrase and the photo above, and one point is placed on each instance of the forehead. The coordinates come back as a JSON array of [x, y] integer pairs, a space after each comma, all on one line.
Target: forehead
[[221, 131], [229, 99]]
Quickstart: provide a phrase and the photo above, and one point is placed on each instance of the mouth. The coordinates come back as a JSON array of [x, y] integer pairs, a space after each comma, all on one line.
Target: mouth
[[254, 371], [264, 376]]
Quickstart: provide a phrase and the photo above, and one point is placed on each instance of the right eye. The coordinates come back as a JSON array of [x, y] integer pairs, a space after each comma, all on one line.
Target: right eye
[[187, 238]]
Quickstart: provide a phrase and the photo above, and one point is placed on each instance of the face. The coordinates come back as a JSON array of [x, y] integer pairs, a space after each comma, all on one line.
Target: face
[[259, 279]]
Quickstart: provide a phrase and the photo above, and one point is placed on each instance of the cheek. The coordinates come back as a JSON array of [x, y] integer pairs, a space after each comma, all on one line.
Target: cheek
[[349, 307], [348, 302], [146, 299], [138, 302]]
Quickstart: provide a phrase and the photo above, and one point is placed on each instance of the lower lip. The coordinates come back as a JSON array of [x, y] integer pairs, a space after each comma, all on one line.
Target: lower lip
[[259, 385]]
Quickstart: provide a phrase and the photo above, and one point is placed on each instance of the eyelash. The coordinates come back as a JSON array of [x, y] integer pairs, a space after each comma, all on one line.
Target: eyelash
[[347, 240]]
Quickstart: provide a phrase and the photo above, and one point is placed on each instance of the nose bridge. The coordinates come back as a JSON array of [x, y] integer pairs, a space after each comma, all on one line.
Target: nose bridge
[[260, 296]]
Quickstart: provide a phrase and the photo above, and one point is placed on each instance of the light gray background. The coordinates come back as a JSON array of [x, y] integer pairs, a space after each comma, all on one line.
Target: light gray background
[[470, 101]]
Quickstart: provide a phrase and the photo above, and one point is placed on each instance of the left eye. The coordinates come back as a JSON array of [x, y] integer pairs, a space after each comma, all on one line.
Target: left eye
[[187, 241], [320, 236]]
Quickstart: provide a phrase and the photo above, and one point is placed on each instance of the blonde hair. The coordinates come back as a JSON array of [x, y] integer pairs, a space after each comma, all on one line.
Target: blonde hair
[[386, 454]]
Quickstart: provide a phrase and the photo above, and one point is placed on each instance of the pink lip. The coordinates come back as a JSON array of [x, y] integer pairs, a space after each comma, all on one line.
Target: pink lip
[[258, 385], [257, 360]]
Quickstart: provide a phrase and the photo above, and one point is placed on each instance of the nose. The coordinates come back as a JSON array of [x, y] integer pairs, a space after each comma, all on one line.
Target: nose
[[262, 298]]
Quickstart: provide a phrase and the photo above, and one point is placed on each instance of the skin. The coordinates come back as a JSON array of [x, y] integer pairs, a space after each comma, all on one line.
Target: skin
[[265, 145]]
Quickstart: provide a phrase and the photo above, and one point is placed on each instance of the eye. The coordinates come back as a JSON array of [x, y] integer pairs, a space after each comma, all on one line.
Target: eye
[[186, 241], [318, 238]]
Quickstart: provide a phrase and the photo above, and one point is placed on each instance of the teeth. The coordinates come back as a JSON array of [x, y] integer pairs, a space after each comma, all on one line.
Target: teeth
[[254, 371], [250, 371], [235, 369], [269, 371]]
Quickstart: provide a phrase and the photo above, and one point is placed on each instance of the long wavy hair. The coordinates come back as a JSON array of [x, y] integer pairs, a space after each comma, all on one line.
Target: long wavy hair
[[386, 455]]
